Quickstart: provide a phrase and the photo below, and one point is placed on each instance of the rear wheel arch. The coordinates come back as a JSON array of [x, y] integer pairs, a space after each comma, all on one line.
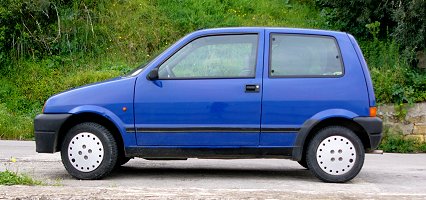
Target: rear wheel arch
[[313, 126]]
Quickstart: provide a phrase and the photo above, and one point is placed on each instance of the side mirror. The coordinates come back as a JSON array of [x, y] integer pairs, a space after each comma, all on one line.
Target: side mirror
[[153, 75]]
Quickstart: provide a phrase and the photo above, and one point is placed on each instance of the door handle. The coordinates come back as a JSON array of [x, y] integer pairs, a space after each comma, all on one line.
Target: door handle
[[252, 88]]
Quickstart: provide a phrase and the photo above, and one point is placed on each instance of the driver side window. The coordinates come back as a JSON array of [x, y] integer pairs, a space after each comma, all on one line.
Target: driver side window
[[225, 56]]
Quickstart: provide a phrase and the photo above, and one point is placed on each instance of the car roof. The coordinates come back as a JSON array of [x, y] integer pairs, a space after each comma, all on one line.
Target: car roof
[[271, 29]]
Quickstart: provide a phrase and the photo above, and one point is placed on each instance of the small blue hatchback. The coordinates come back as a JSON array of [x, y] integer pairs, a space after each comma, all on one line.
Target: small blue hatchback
[[232, 93]]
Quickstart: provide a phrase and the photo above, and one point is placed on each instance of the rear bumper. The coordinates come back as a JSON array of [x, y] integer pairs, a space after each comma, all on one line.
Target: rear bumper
[[373, 126], [46, 131]]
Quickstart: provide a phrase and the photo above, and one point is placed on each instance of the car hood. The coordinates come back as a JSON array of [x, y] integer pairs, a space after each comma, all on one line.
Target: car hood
[[109, 92]]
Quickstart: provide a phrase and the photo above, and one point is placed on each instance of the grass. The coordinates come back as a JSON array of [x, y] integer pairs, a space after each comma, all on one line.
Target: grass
[[12, 178], [112, 37], [121, 36], [14, 126]]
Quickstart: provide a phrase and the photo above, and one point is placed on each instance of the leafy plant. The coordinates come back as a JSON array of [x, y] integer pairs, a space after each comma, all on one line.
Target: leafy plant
[[397, 143], [47, 46], [403, 20], [12, 178]]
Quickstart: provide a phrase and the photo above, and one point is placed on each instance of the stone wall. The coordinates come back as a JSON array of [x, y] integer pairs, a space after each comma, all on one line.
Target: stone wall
[[412, 125]]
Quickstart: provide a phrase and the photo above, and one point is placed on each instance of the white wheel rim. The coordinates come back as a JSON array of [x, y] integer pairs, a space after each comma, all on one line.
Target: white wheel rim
[[336, 155], [85, 152]]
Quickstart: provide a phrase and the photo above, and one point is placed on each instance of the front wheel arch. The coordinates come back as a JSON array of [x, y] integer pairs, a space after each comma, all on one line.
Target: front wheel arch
[[81, 156], [90, 117]]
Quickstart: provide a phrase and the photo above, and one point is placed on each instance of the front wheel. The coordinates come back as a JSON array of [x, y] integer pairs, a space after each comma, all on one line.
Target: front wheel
[[303, 163], [89, 151], [335, 154]]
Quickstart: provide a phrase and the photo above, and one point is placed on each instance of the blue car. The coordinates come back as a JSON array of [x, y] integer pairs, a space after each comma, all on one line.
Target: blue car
[[299, 94]]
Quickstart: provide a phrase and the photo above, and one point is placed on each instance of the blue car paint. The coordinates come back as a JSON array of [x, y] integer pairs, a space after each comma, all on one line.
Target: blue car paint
[[212, 103], [283, 103], [106, 99], [361, 59]]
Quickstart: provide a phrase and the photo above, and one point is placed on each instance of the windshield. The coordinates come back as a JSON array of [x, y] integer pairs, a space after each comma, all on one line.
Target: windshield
[[155, 55]]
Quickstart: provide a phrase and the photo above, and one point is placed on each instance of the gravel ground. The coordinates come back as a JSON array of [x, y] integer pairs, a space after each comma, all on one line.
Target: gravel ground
[[387, 176]]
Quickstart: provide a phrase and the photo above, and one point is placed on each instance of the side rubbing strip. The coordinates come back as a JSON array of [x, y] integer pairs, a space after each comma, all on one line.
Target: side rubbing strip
[[210, 129], [130, 130], [280, 130], [196, 129]]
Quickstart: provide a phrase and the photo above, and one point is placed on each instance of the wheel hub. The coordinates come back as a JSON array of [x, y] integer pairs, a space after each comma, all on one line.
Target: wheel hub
[[85, 152], [336, 155]]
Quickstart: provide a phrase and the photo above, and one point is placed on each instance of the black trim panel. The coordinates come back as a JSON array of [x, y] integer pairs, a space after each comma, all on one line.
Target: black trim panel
[[210, 129], [46, 131], [279, 130], [301, 137], [374, 127], [130, 130], [196, 129], [244, 152]]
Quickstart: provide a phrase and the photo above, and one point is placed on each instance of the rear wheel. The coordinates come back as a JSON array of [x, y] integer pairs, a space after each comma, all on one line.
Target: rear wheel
[[335, 154], [89, 151]]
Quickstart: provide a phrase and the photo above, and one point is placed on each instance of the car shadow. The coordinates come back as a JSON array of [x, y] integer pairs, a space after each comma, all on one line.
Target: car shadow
[[207, 172]]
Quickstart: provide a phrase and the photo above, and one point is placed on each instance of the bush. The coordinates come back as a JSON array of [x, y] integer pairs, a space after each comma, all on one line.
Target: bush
[[393, 79], [47, 46], [404, 20], [397, 143]]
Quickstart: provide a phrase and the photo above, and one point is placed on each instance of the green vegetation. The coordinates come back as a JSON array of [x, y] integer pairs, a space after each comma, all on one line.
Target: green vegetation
[[12, 178], [395, 81], [48, 46], [397, 143]]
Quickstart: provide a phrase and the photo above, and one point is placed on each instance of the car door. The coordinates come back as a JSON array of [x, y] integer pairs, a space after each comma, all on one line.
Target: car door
[[305, 78], [207, 94]]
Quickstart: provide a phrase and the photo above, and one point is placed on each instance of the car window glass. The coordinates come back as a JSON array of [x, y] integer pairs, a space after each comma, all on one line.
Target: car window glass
[[224, 56], [303, 55]]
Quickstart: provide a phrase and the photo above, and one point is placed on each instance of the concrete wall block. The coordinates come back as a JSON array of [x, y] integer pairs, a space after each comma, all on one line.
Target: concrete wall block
[[419, 129], [417, 113], [414, 122], [420, 138], [405, 129]]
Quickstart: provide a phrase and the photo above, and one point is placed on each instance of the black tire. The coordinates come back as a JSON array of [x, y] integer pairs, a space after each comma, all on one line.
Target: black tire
[[346, 154], [303, 163], [122, 160], [107, 151]]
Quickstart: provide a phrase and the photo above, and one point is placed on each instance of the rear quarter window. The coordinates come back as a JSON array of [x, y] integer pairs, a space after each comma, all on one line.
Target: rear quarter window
[[294, 55]]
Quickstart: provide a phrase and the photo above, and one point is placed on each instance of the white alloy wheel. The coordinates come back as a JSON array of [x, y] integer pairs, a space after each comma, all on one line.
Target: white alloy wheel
[[85, 152], [336, 155]]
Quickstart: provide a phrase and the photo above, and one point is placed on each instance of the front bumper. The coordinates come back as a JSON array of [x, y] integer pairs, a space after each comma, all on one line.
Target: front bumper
[[373, 126], [46, 131]]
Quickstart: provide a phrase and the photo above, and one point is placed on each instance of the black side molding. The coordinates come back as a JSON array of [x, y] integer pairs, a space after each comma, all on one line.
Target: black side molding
[[206, 152], [210, 129]]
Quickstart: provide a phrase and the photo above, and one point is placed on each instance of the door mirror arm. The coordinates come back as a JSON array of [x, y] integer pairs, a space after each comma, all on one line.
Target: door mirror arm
[[153, 75]]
